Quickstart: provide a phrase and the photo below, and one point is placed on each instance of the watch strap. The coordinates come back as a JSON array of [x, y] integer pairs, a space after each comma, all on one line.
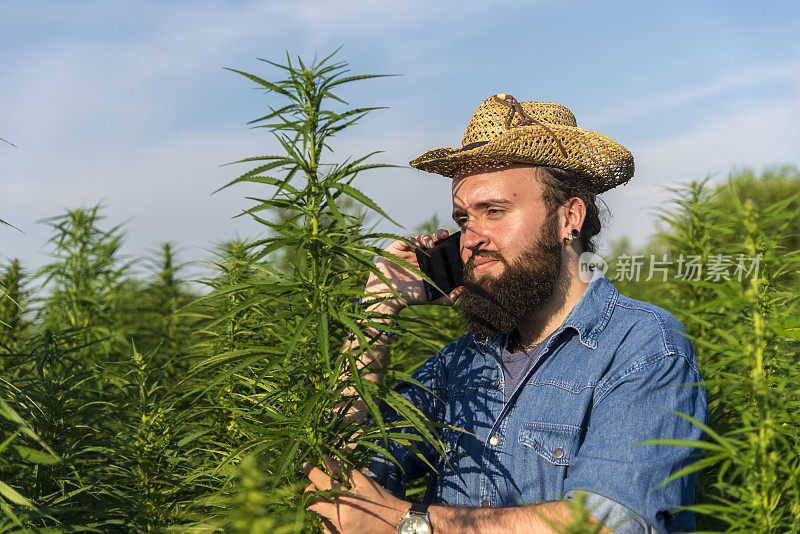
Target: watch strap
[[419, 509]]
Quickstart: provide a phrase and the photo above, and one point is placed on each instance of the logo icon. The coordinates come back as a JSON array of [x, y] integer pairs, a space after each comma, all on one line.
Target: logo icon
[[588, 263]]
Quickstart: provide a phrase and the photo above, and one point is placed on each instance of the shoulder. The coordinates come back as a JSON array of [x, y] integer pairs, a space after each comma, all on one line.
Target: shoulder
[[460, 353], [650, 351], [456, 348], [647, 333], [449, 359], [462, 359]]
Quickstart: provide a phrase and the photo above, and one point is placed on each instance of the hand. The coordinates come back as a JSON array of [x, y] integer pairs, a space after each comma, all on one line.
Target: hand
[[409, 286], [370, 509]]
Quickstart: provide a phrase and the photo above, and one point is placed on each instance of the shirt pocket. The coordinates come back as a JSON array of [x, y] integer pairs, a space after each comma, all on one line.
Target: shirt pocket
[[547, 450]]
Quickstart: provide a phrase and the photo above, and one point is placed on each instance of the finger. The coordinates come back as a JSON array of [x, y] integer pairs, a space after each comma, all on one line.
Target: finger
[[324, 509], [333, 465], [441, 234], [454, 294], [410, 243], [310, 487], [321, 480], [357, 478], [426, 241], [450, 298]]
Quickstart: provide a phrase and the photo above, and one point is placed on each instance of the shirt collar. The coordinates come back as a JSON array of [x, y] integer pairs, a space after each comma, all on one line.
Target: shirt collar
[[588, 317], [592, 312]]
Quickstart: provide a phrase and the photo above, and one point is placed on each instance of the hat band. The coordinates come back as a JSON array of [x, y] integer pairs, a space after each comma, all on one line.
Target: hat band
[[515, 107]]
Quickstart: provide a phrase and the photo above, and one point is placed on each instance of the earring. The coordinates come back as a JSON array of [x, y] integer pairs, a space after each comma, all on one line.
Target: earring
[[572, 235]]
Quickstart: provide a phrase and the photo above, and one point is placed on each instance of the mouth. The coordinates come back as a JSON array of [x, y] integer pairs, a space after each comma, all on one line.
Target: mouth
[[484, 264]]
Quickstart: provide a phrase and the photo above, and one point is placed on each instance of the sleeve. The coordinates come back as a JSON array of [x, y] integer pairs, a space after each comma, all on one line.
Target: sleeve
[[622, 476], [612, 514], [427, 399]]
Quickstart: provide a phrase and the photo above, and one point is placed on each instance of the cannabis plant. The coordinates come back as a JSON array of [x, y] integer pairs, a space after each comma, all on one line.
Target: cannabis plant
[[51, 390], [295, 389], [84, 278], [16, 508], [744, 329], [158, 313], [148, 465], [13, 303]]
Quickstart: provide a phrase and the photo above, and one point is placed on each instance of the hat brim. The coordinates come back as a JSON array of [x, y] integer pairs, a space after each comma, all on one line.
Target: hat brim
[[601, 160]]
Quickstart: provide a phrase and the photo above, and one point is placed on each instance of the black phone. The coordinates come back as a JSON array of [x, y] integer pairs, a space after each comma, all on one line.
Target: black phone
[[442, 263]]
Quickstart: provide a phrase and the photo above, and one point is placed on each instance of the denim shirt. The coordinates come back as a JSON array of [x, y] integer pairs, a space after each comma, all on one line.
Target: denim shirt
[[609, 378]]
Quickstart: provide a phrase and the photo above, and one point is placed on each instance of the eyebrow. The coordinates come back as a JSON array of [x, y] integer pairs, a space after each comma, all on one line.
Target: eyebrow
[[483, 204]]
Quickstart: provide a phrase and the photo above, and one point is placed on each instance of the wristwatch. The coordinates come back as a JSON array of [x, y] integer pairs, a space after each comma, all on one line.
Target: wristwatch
[[416, 521]]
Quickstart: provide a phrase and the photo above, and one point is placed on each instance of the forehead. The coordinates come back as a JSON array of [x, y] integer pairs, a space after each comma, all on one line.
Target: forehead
[[513, 184]]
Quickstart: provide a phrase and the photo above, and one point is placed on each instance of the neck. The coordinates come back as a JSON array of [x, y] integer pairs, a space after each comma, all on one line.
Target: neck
[[535, 328]]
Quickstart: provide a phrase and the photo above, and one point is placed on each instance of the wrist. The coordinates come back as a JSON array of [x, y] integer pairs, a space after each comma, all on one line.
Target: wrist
[[380, 336], [400, 513], [383, 306]]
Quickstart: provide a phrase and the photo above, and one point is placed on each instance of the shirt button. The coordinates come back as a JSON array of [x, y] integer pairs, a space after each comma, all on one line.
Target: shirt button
[[558, 453], [496, 383], [494, 441], [485, 503]]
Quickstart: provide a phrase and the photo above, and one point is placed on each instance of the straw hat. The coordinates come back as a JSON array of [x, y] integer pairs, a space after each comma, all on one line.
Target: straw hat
[[504, 131]]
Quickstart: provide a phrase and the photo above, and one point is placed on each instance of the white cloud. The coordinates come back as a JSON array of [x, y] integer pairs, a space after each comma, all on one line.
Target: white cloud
[[760, 135], [765, 133], [784, 72]]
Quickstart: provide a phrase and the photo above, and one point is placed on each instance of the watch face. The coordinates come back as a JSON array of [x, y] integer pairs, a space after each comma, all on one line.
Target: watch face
[[414, 525]]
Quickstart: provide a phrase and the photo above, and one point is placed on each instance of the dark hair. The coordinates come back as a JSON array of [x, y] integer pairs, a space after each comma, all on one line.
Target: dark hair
[[560, 186]]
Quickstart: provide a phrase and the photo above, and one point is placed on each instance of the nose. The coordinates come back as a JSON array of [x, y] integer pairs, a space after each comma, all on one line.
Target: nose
[[472, 239]]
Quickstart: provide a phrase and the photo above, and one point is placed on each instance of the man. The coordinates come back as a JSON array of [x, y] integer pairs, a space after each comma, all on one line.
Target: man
[[560, 379]]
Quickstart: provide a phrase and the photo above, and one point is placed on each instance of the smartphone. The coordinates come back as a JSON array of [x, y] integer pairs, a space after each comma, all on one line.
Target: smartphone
[[442, 263]]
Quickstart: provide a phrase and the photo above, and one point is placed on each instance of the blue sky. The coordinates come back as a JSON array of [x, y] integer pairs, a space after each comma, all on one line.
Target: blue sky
[[128, 103]]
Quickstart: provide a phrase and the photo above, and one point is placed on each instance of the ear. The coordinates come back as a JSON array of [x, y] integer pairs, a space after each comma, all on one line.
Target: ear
[[574, 214]]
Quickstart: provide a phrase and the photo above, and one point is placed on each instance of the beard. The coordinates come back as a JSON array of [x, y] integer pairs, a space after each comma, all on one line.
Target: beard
[[497, 305]]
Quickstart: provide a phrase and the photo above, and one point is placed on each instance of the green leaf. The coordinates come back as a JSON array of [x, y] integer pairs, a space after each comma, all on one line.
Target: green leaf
[[37, 457], [13, 495], [361, 197]]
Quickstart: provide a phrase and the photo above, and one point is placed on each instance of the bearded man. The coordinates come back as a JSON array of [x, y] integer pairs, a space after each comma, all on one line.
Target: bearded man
[[560, 378]]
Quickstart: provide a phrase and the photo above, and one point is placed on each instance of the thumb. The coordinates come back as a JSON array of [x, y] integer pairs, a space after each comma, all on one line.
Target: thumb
[[450, 298]]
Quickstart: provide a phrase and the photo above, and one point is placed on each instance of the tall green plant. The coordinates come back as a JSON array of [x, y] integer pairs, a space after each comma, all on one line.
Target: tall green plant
[[150, 469], [84, 278], [17, 510], [299, 384], [232, 305], [13, 302], [744, 329], [764, 189], [249, 509], [51, 390], [232, 326], [167, 315]]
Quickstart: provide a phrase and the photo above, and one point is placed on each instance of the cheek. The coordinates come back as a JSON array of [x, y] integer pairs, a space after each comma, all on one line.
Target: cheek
[[512, 236]]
